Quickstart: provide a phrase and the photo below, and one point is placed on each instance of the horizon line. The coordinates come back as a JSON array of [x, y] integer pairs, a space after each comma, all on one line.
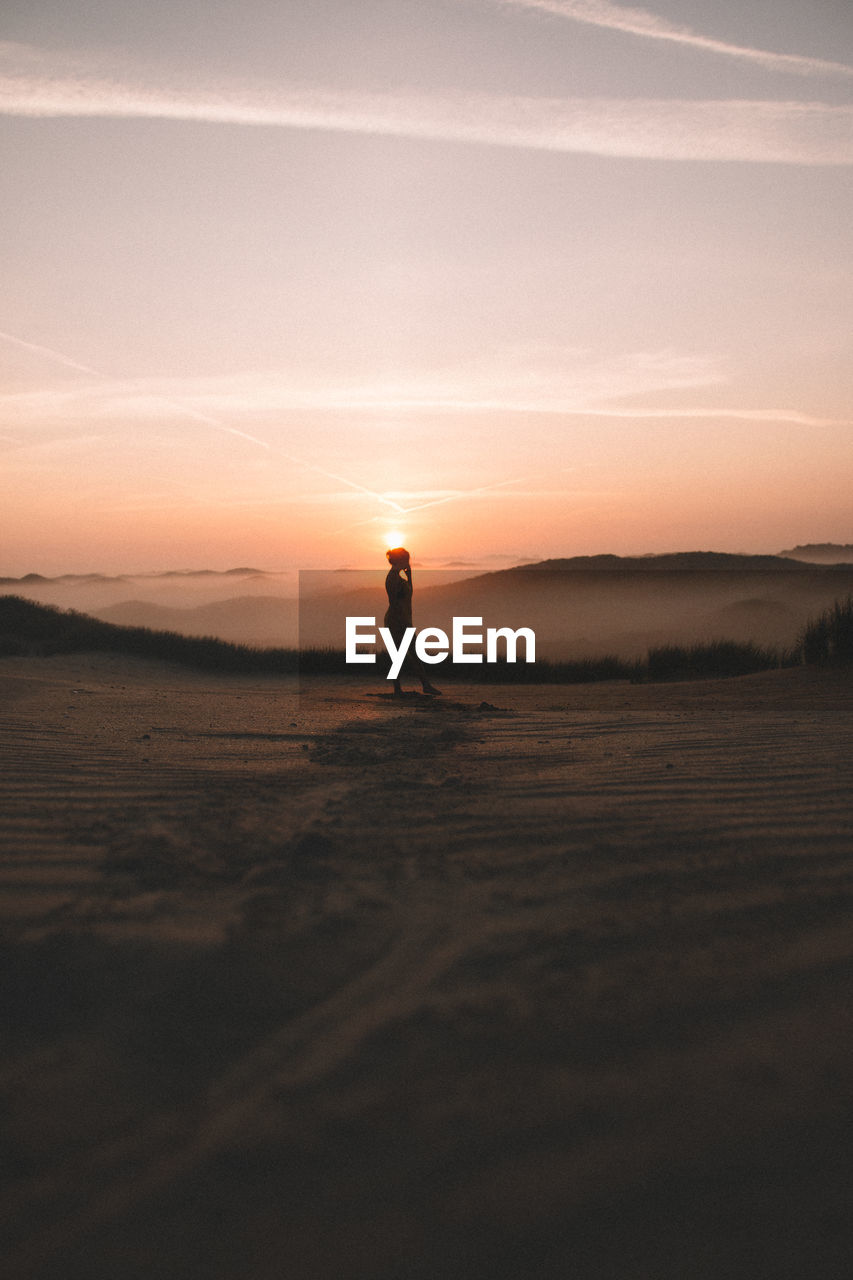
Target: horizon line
[[444, 567]]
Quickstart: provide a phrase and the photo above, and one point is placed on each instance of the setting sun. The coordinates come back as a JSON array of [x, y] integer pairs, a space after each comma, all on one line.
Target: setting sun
[[394, 539]]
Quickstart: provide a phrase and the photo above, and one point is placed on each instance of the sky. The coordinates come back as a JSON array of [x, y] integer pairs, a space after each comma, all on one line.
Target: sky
[[504, 280]]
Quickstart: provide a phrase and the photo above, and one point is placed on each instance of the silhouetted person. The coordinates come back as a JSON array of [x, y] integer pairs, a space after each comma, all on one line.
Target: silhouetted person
[[398, 615]]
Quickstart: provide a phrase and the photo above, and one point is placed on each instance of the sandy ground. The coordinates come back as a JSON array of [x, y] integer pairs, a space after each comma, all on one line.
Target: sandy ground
[[536, 982]]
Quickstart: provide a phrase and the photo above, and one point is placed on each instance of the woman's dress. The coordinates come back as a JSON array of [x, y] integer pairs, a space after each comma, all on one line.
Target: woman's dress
[[398, 615]]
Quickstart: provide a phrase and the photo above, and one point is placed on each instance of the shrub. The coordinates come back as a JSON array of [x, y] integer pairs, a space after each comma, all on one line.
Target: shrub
[[37, 630], [829, 638], [703, 661], [31, 629]]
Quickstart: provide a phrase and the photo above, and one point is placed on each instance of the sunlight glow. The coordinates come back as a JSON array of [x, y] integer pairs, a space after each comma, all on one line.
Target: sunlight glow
[[394, 538]]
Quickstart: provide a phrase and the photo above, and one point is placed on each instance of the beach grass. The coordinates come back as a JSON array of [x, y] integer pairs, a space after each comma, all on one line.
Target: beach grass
[[29, 629], [828, 639]]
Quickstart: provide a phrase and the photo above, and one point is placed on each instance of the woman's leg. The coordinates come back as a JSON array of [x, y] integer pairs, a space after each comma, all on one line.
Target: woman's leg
[[412, 664]]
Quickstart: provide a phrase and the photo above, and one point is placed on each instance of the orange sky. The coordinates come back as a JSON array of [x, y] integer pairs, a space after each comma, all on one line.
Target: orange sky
[[512, 280]]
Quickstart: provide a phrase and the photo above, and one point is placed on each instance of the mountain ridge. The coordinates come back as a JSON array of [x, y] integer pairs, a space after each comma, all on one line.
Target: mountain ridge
[[603, 560]]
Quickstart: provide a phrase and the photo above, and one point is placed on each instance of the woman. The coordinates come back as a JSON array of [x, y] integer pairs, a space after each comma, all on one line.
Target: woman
[[398, 615]]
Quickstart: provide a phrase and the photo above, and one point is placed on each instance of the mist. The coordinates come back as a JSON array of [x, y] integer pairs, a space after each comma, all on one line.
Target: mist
[[578, 608]]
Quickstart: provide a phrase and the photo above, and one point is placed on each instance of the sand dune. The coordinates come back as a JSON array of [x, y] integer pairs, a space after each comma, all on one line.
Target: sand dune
[[580, 607], [314, 983], [589, 606], [262, 621], [173, 591]]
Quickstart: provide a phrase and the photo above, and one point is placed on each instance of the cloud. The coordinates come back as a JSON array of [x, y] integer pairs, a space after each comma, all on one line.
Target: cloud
[[570, 383], [639, 22], [565, 381], [539, 378], [37, 84]]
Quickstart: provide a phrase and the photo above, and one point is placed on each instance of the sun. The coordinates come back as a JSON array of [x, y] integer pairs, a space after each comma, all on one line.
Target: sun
[[394, 538]]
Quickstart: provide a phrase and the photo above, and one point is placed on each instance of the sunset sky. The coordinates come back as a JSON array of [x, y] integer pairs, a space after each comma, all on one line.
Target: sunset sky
[[505, 279]]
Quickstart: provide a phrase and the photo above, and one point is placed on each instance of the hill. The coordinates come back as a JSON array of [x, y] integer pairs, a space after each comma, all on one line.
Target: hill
[[676, 561], [33, 630], [250, 620], [28, 629], [177, 589], [822, 553], [589, 605], [580, 607]]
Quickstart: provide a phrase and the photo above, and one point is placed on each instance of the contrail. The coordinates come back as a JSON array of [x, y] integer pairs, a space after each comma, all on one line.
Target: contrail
[[640, 22], [795, 416], [46, 85], [219, 425], [49, 354], [180, 407], [215, 423], [460, 495]]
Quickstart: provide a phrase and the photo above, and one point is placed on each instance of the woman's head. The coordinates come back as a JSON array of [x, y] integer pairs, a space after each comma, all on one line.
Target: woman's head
[[397, 557]]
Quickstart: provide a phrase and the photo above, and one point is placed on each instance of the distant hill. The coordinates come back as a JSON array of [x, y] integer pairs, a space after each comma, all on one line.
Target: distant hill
[[588, 605], [579, 607], [253, 620], [68, 578], [64, 580], [28, 629], [822, 553], [683, 561], [177, 589], [34, 630]]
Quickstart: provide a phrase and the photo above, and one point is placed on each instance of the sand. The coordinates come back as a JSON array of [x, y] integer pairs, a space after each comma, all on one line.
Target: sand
[[530, 982]]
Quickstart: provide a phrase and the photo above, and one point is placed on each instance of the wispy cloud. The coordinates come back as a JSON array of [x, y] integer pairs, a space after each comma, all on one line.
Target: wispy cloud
[[101, 390], [640, 22], [35, 83], [541, 378], [566, 382], [167, 404]]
